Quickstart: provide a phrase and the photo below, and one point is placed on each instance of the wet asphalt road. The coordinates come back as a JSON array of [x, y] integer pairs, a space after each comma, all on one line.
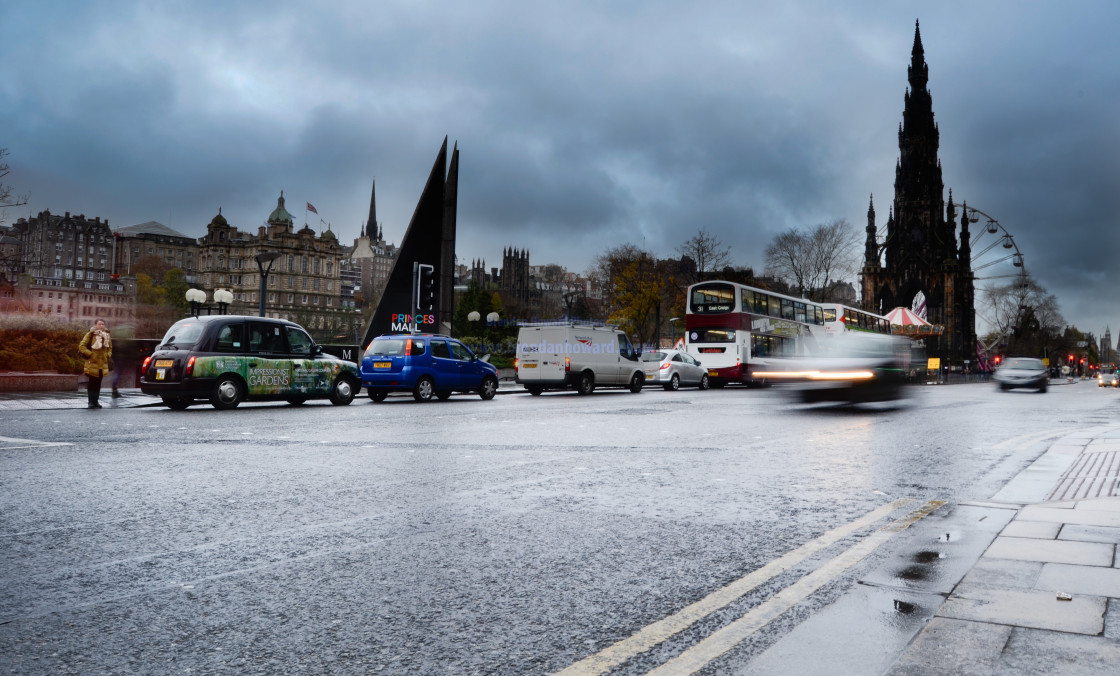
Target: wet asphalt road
[[517, 536]]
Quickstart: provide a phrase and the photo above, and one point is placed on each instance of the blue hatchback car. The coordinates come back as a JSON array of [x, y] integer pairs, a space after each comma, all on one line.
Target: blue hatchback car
[[427, 365]]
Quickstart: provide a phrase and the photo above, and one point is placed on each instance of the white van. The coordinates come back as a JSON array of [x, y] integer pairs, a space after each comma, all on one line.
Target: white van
[[556, 357]]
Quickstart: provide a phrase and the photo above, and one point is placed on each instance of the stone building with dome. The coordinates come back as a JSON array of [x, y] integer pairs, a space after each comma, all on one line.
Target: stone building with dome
[[304, 282]]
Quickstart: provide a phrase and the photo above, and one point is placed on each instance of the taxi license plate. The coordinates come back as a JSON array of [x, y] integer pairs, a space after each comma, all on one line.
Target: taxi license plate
[[164, 363], [528, 366], [382, 364], [160, 374], [649, 376]]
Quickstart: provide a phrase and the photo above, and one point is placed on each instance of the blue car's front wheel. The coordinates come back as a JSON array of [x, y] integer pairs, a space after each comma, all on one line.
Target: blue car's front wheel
[[489, 388]]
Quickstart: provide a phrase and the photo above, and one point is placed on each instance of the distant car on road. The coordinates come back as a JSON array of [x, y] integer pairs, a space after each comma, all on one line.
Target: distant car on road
[[1108, 380], [673, 368], [1025, 372], [426, 365]]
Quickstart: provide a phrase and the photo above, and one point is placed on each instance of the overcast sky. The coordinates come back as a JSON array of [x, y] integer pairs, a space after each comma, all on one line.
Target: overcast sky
[[581, 125]]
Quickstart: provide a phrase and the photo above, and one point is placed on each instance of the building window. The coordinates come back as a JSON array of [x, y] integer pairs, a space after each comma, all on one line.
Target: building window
[[304, 299], [314, 300], [304, 263], [291, 298]]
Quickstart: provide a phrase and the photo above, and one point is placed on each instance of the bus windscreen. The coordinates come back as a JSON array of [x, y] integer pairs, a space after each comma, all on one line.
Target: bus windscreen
[[713, 298]]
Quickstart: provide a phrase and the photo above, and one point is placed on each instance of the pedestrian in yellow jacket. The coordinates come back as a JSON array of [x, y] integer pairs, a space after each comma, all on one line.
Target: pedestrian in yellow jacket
[[97, 348]]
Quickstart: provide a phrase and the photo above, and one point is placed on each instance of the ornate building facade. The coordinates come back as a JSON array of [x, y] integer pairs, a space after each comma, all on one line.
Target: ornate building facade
[[155, 242], [514, 279], [304, 280], [920, 247], [64, 269]]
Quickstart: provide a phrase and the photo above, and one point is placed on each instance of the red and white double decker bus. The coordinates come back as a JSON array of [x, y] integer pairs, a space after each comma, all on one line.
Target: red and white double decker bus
[[839, 319], [735, 330]]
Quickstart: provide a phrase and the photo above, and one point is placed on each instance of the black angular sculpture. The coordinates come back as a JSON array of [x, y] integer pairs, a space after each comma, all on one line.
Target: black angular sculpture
[[429, 239]]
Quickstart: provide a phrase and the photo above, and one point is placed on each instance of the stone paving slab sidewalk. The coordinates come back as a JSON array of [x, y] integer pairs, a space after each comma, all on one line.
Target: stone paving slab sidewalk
[[1044, 598], [45, 401]]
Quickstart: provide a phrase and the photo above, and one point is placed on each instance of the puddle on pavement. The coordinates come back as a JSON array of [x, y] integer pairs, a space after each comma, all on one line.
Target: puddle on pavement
[[928, 557], [951, 536], [912, 573]]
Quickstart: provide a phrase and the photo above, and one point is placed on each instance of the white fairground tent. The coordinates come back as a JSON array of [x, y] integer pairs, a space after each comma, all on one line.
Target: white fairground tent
[[905, 323]]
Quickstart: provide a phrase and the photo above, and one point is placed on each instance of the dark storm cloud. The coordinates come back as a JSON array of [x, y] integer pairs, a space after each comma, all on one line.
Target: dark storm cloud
[[582, 125]]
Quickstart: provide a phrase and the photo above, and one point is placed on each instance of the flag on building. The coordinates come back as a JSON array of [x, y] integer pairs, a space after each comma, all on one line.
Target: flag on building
[[311, 208]]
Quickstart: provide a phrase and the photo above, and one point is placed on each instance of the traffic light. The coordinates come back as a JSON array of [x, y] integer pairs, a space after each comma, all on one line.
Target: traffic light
[[425, 287], [998, 359]]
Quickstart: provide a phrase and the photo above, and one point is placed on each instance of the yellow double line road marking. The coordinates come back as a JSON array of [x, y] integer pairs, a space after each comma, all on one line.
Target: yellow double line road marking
[[704, 652]]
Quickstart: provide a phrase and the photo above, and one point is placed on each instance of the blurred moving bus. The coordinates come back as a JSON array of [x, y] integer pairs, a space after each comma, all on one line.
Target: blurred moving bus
[[839, 319], [735, 330]]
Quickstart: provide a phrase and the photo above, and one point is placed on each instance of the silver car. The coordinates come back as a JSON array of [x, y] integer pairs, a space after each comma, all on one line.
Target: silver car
[[1022, 372], [673, 368]]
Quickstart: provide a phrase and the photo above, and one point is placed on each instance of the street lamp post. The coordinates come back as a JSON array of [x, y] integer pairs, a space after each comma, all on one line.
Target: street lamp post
[[223, 297], [197, 299], [264, 263], [673, 322]]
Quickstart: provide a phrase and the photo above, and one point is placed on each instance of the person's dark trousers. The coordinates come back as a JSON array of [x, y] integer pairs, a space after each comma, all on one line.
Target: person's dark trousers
[[94, 391]]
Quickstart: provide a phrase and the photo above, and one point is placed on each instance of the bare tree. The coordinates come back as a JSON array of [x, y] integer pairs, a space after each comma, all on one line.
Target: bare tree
[[708, 254], [1022, 302], [836, 246], [812, 260], [6, 199]]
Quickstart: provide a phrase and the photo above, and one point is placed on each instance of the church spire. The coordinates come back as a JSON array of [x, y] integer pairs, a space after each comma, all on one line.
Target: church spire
[[871, 247], [918, 72], [371, 222]]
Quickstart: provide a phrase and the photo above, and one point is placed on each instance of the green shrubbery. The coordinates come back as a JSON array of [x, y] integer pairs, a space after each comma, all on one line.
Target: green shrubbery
[[40, 344]]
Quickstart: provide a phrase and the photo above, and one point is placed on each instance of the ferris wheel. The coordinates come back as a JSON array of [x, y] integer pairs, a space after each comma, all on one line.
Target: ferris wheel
[[996, 260]]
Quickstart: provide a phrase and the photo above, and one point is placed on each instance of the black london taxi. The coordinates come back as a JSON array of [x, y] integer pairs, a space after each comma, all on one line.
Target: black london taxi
[[227, 359]]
